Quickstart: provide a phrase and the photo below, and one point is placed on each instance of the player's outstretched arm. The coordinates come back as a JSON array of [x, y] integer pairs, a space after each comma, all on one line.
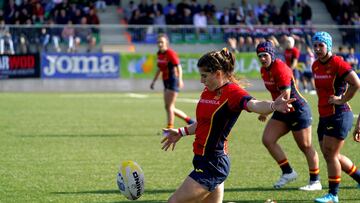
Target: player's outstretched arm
[[265, 107]]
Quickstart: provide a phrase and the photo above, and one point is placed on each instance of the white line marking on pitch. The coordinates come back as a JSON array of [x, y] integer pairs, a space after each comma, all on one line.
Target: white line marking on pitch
[[140, 96], [187, 100]]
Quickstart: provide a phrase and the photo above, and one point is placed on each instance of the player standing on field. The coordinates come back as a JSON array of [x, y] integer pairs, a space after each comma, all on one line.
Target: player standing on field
[[169, 66], [336, 84], [278, 79]]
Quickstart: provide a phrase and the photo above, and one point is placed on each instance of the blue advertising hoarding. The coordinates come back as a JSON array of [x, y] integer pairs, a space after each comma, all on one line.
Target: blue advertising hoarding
[[80, 65]]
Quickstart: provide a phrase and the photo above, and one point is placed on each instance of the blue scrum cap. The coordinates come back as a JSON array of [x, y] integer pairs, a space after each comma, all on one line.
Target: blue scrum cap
[[323, 37], [267, 47]]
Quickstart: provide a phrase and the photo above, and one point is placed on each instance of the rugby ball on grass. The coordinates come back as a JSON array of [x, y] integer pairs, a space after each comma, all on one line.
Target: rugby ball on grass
[[130, 180]]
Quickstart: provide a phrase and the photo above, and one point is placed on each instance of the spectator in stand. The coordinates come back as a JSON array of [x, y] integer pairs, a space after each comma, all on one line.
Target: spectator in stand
[[194, 7], [245, 7], [155, 6], [275, 18], [341, 53], [137, 34], [63, 18], [128, 11], [226, 18], [181, 7], [9, 11], [48, 35], [24, 47], [170, 5], [100, 5], [6, 42], [143, 8], [83, 31], [200, 22], [159, 20], [187, 19], [271, 8], [259, 10], [172, 18], [93, 19], [306, 12], [209, 7], [76, 18], [352, 59], [356, 22], [38, 12], [68, 35], [245, 40]]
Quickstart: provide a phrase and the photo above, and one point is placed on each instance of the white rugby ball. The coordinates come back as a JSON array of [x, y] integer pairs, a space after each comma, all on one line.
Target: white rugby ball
[[130, 180]]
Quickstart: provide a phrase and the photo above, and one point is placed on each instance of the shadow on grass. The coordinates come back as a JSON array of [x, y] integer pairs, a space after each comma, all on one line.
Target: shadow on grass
[[159, 191]]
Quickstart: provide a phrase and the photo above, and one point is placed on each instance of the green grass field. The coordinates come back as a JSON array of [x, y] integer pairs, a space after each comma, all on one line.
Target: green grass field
[[67, 148]]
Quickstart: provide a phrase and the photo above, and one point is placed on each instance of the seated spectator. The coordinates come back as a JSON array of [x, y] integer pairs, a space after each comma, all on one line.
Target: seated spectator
[[200, 22], [170, 5], [180, 8], [38, 12], [194, 7], [341, 52], [83, 31], [352, 59], [306, 12], [137, 33], [128, 11], [93, 19], [209, 7], [68, 35], [172, 18], [154, 7], [23, 47], [6, 43], [100, 5]]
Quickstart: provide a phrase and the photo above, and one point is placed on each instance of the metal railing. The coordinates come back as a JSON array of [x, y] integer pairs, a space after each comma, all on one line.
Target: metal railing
[[89, 38]]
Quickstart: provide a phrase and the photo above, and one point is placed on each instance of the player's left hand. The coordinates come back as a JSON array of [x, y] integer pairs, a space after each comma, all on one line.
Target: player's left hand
[[262, 117], [356, 135], [283, 105], [181, 84], [335, 100], [170, 139]]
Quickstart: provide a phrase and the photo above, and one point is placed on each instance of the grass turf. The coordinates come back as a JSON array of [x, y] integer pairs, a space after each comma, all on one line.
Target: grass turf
[[67, 147]]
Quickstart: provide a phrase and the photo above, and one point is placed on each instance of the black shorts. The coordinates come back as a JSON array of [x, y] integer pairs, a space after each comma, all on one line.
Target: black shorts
[[297, 120], [337, 125], [171, 84], [210, 172]]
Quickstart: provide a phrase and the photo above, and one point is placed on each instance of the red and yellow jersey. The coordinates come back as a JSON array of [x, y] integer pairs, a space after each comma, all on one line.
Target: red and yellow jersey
[[290, 55], [166, 62], [330, 80], [279, 77], [216, 114]]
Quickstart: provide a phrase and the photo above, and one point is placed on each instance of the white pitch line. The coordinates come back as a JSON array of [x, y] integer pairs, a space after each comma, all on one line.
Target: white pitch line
[[188, 100], [140, 96]]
